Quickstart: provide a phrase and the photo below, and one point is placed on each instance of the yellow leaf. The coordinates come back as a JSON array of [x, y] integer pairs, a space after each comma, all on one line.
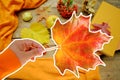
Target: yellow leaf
[[37, 31]]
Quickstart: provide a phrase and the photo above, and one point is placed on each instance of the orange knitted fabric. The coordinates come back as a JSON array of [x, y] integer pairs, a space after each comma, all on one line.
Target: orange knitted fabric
[[8, 63]]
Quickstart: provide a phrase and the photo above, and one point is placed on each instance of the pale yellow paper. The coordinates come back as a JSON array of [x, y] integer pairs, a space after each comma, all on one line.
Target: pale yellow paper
[[111, 15]]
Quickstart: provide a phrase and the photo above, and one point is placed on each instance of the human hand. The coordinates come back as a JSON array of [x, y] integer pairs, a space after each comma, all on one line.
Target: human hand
[[26, 49]]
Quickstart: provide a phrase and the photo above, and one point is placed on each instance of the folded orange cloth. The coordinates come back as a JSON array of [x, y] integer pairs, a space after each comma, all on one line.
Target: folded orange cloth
[[8, 63], [8, 18]]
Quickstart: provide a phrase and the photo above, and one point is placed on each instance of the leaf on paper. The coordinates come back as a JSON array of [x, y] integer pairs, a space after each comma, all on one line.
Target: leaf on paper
[[37, 31], [104, 27], [77, 45]]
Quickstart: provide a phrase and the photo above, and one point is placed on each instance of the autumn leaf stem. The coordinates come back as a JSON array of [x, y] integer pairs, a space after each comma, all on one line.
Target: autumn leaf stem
[[51, 48]]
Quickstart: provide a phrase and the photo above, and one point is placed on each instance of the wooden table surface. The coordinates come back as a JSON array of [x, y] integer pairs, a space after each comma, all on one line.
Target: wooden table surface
[[112, 69]]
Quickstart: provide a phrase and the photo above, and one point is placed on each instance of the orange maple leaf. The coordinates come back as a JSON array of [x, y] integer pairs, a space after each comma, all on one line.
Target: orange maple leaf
[[77, 45]]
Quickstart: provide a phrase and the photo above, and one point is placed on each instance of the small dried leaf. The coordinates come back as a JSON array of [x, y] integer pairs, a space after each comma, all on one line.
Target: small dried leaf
[[88, 6], [43, 13], [92, 3]]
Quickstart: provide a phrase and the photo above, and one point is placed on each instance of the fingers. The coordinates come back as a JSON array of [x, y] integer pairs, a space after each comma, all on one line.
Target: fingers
[[30, 44], [26, 49], [34, 52], [33, 47]]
